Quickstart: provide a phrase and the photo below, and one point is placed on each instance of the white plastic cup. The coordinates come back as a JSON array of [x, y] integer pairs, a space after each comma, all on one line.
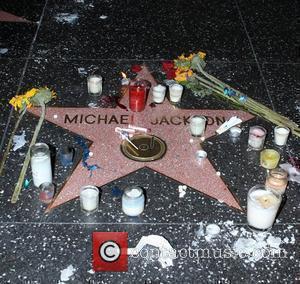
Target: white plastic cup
[[281, 135], [176, 91]]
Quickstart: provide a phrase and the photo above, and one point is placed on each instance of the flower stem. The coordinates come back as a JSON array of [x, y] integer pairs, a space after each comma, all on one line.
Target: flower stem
[[6, 153], [250, 105], [19, 184]]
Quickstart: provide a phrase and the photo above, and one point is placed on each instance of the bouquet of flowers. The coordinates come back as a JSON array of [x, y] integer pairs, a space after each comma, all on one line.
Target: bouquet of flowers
[[189, 71]]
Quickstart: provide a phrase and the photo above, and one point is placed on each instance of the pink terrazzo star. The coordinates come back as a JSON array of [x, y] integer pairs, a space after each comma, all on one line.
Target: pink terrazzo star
[[167, 122], [8, 17]]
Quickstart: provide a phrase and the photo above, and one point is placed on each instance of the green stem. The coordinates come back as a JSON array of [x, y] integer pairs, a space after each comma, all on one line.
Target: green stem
[[6, 153], [251, 105], [19, 184]]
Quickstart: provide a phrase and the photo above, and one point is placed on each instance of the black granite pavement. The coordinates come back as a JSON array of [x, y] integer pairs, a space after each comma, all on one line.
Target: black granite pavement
[[250, 44]]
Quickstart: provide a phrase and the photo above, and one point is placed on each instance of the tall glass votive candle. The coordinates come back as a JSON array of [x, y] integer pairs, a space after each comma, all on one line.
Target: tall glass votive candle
[[277, 181], [281, 135], [137, 95], [257, 136], [197, 125], [40, 164], [133, 201], [94, 83], [262, 208], [269, 159], [175, 92], [158, 94], [89, 199]]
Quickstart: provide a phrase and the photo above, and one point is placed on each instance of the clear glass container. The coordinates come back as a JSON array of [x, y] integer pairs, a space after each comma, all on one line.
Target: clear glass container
[[133, 201], [277, 181], [40, 164], [175, 93], [47, 190], [269, 159], [138, 92], [66, 156], [94, 84], [158, 94], [257, 136], [262, 207], [197, 125], [281, 135], [89, 199]]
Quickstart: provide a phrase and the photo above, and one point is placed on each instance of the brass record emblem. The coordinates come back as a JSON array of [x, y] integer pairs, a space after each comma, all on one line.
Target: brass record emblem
[[150, 148]]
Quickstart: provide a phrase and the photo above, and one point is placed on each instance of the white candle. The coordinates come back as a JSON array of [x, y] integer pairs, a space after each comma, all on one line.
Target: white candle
[[197, 125], [175, 93], [133, 201], [158, 93], [281, 135], [41, 164], [262, 207], [257, 135], [89, 198], [94, 83]]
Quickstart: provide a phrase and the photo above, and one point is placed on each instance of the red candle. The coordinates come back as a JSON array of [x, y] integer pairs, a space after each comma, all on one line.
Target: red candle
[[137, 95]]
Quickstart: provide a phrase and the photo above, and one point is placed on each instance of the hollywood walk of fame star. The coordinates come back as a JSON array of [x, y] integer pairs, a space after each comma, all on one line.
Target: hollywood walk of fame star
[[165, 121], [8, 17]]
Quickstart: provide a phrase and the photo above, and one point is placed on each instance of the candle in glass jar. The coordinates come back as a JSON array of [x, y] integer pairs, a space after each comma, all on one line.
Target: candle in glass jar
[[133, 201], [94, 83], [281, 135], [269, 159], [257, 135], [262, 207], [138, 95], [158, 94], [197, 125], [277, 181], [89, 199], [40, 164], [175, 92]]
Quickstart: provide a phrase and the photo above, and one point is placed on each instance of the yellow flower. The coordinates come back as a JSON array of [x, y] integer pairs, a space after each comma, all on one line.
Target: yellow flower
[[181, 70], [189, 73], [183, 76], [202, 54], [21, 101], [30, 93], [190, 57], [181, 57]]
